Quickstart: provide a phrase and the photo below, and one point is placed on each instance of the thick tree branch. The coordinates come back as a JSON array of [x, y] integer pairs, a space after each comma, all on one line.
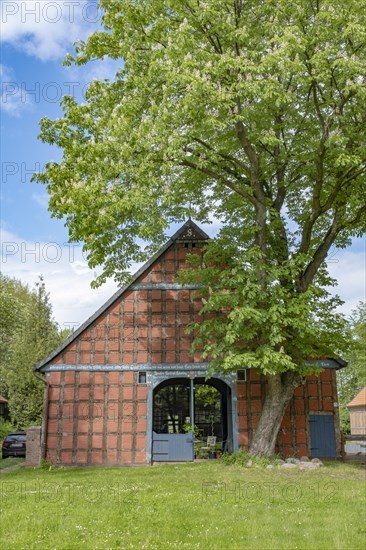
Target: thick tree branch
[[356, 219], [224, 156], [224, 168], [321, 208], [218, 177], [245, 143], [341, 186], [338, 224], [321, 252]]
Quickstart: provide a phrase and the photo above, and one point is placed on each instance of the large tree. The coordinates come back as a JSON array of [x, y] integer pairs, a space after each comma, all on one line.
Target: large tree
[[28, 334], [248, 112]]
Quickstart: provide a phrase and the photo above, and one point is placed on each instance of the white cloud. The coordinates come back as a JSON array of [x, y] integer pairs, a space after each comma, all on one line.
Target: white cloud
[[349, 269], [41, 199], [13, 99], [66, 274], [46, 29]]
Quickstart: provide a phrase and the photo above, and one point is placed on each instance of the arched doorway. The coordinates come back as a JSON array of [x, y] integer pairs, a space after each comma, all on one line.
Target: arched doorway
[[187, 410]]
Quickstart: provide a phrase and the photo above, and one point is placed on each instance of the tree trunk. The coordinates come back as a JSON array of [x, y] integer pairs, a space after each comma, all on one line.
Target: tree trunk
[[280, 390]]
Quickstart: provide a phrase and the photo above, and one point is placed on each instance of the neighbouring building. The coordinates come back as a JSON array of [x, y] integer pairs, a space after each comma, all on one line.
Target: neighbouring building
[[4, 409], [124, 387], [357, 412]]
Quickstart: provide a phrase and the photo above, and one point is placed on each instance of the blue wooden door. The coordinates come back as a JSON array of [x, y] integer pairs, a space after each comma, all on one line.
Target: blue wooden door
[[172, 447], [322, 436]]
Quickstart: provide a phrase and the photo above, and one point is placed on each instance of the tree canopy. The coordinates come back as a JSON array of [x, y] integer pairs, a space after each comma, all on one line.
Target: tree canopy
[[28, 334], [250, 113]]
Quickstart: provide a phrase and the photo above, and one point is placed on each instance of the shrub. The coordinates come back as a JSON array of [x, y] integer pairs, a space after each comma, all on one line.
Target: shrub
[[5, 428]]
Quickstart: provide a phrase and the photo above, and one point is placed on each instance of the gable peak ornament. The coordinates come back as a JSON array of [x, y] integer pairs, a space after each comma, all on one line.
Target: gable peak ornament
[[190, 232]]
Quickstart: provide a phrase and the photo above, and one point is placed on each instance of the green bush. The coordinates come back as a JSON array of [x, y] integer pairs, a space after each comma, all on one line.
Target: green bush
[[5, 428]]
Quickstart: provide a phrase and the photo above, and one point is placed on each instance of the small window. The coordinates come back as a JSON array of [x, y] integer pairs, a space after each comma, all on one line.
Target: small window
[[241, 375], [142, 377]]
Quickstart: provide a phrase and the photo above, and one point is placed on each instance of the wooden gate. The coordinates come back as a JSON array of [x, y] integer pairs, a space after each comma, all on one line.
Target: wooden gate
[[172, 447]]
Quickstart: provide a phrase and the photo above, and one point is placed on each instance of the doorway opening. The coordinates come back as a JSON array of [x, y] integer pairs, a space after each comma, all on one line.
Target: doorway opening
[[186, 412]]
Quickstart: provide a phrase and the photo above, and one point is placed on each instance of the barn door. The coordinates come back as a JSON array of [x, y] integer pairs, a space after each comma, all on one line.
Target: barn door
[[172, 412], [322, 436], [172, 447]]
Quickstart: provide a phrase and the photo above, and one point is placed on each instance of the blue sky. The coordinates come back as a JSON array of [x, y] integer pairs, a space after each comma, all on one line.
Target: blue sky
[[35, 36]]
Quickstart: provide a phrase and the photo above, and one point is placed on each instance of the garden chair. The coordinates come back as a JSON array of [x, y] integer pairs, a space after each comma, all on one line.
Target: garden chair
[[210, 445]]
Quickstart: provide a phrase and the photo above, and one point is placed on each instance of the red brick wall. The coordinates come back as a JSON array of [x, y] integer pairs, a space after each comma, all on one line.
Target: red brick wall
[[143, 325], [96, 418], [317, 395], [100, 417]]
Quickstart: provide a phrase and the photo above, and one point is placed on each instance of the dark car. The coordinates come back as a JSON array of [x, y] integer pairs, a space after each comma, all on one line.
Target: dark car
[[14, 444]]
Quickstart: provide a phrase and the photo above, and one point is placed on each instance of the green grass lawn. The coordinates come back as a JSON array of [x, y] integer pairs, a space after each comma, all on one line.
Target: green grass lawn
[[205, 505], [10, 461]]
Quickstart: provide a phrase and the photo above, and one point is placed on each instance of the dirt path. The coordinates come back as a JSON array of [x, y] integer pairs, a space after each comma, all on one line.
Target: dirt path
[[10, 468]]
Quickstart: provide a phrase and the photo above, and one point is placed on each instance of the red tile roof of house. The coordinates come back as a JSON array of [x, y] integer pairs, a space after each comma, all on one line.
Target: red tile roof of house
[[359, 400]]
